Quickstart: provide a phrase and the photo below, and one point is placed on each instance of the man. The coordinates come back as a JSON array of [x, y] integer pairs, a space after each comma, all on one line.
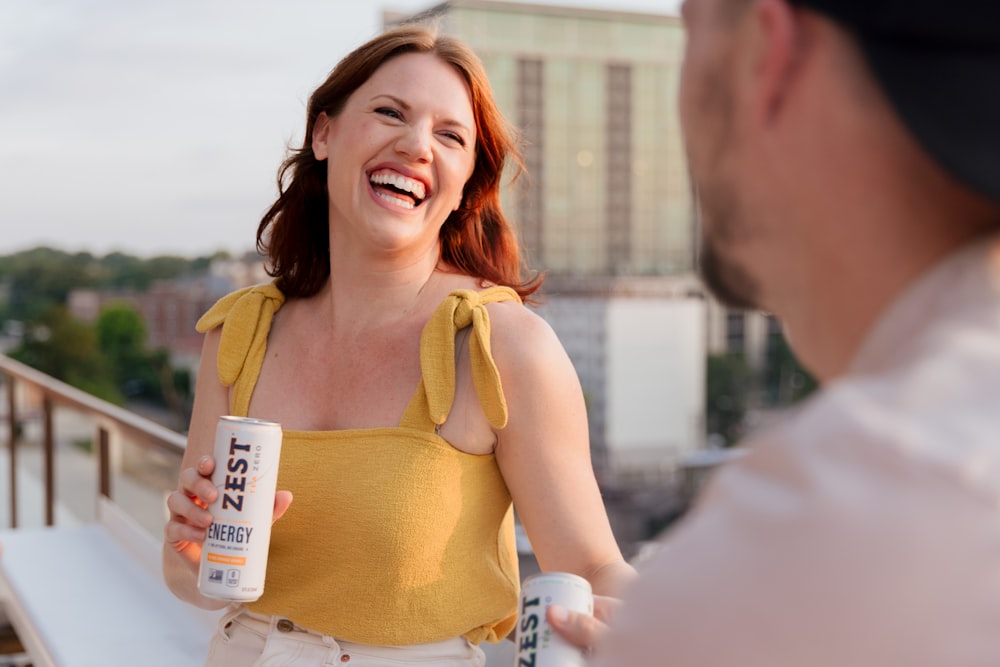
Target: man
[[846, 155]]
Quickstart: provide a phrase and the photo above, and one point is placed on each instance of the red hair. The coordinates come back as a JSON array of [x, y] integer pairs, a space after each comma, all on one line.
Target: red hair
[[477, 239]]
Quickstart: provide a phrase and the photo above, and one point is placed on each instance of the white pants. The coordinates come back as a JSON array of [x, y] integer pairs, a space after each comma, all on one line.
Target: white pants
[[245, 639]]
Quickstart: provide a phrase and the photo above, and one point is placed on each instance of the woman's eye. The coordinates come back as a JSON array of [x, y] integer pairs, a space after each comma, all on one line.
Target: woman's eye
[[389, 111], [457, 138]]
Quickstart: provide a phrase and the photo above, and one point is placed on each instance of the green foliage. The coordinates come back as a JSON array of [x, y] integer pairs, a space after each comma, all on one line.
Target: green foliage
[[40, 278], [201, 264], [728, 382], [733, 387], [127, 272], [785, 380], [121, 330], [110, 359], [66, 349], [121, 336], [139, 372]]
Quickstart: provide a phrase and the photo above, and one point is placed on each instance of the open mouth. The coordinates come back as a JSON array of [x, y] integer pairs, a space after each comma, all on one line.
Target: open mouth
[[397, 189]]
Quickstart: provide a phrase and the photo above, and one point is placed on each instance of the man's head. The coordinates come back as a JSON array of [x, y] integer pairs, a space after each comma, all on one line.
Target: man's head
[[939, 64], [815, 126]]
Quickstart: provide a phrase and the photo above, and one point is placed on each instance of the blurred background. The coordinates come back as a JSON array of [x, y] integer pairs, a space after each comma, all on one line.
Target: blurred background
[[139, 144]]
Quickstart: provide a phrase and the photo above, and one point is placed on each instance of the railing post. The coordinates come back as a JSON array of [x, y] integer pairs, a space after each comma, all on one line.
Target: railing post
[[104, 461], [12, 443], [48, 452], [52, 395]]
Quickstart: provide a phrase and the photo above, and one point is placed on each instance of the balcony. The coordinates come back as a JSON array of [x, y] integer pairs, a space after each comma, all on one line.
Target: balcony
[[65, 449], [68, 459]]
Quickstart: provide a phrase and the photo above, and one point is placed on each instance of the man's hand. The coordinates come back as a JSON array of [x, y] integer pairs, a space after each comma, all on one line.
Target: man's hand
[[583, 630]]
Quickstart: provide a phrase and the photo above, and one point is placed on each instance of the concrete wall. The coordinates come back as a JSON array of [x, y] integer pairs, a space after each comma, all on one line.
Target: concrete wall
[[656, 380], [640, 360]]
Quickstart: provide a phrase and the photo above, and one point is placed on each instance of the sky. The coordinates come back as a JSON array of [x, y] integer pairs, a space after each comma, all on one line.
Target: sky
[[157, 126]]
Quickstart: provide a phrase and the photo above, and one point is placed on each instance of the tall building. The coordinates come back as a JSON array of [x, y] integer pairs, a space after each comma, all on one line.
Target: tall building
[[606, 211], [593, 94]]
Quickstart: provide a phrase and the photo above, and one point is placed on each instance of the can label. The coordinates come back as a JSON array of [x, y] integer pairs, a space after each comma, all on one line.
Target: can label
[[234, 555], [537, 643]]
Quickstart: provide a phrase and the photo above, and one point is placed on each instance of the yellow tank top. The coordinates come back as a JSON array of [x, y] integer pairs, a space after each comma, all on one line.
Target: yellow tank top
[[394, 536]]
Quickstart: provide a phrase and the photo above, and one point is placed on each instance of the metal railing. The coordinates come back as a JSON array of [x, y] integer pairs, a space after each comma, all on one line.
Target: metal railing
[[113, 427]]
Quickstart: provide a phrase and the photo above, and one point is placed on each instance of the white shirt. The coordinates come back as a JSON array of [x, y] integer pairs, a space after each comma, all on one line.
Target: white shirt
[[865, 529]]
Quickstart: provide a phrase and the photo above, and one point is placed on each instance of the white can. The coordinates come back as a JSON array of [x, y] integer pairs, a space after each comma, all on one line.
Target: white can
[[234, 556], [536, 643]]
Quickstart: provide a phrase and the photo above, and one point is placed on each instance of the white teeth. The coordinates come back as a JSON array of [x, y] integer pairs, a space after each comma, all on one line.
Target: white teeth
[[405, 203], [415, 188]]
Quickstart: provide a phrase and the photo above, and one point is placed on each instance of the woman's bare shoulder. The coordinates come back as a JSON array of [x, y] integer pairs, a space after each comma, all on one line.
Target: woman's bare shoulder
[[519, 332]]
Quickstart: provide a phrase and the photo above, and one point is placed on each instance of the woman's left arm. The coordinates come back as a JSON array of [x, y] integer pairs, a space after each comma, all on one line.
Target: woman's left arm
[[544, 453]]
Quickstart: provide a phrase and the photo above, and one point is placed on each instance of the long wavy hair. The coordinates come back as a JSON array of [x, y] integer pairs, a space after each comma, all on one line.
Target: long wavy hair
[[477, 239]]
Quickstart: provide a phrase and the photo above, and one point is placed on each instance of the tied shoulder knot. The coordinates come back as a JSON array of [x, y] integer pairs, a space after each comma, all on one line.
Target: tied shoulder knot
[[246, 315], [460, 309]]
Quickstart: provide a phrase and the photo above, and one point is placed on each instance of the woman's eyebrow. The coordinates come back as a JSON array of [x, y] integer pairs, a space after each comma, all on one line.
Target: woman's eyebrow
[[405, 106]]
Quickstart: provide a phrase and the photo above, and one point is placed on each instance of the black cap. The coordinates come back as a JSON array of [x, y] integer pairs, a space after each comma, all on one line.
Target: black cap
[[939, 63]]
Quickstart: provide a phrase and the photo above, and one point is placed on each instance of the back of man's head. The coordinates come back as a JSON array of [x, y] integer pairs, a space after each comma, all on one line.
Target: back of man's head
[[939, 64]]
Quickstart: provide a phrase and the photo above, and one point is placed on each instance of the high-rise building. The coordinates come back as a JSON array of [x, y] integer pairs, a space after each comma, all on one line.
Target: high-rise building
[[593, 94]]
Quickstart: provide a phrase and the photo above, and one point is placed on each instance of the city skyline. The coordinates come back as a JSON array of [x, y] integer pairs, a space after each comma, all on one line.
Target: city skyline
[[157, 128]]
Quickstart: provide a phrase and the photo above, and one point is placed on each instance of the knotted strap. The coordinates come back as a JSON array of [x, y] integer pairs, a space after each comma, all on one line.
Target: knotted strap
[[247, 314], [460, 309]]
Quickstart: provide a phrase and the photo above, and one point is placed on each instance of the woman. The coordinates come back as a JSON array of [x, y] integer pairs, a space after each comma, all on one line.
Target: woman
[[417, 394]]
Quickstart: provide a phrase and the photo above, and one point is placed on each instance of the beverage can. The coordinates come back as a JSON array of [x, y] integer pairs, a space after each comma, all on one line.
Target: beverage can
[[537, 644], [234, 555]]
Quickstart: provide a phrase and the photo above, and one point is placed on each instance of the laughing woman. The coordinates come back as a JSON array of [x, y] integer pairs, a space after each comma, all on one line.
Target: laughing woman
[[418, 396]]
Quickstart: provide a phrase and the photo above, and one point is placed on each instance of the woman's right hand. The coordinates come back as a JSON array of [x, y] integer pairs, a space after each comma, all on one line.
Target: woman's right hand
[[189, 518], [187, 527]]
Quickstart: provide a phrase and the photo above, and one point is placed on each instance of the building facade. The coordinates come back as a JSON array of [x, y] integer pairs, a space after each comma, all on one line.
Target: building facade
[[593, 94]]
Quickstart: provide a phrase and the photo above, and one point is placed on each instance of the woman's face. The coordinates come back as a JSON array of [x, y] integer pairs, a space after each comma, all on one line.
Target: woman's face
[[399, 155]]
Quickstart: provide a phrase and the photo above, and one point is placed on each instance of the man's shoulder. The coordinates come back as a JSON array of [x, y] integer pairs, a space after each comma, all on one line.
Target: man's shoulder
[[884, 452], [938, 410], [868, 532]]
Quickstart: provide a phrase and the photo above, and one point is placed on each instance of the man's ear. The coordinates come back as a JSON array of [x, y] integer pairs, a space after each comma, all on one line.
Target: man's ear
[[776, 43], [321, 130]]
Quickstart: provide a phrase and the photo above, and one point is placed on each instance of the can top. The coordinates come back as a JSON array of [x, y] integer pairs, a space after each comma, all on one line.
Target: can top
[[556, 577], [249, 420]]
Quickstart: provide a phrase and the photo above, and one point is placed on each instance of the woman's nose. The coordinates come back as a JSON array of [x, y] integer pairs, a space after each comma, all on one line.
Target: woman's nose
[[415, 143]]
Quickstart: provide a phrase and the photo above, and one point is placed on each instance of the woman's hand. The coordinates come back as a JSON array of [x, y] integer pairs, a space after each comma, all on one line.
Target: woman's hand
[[189, 517], [186, 529], [583, 630]]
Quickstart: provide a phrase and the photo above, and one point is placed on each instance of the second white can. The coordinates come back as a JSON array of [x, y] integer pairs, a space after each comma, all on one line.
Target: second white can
[[537, 644]]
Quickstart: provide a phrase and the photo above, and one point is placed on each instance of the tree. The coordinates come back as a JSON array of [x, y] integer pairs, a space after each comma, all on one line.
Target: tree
[[121, 336], [128, 272], [728, 382], [41, 278], [110, 359], [785, 380], [121, 329], [66, 349], [139, 372]]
